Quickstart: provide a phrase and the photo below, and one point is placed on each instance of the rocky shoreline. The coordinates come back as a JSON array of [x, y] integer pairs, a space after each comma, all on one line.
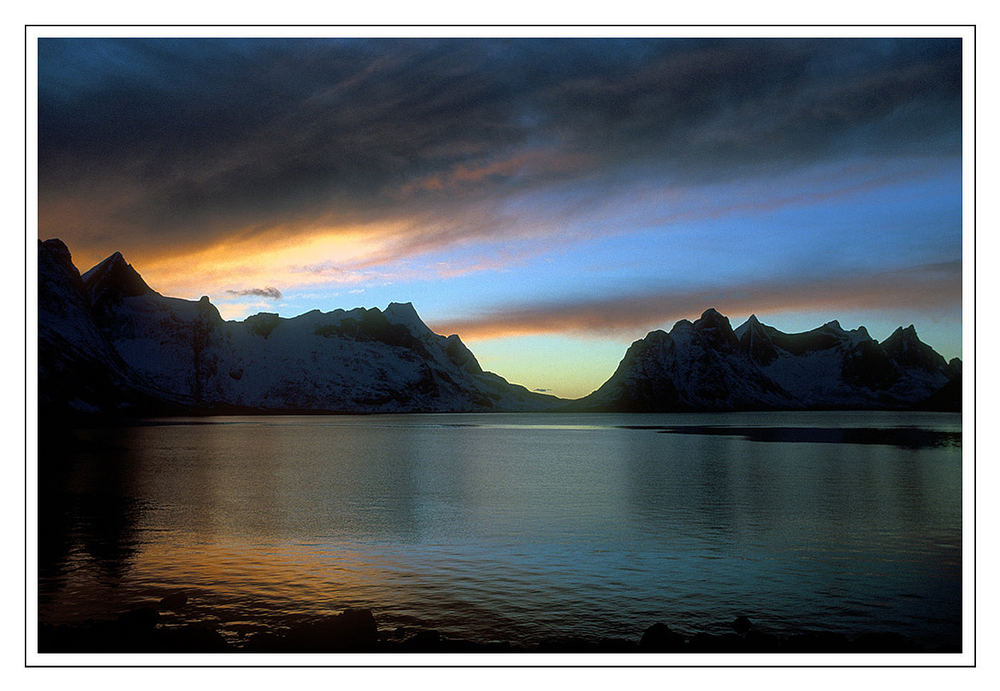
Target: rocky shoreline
[[356, 631]]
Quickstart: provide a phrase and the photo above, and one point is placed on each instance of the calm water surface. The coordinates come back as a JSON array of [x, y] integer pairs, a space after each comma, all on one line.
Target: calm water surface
[[514, 527]]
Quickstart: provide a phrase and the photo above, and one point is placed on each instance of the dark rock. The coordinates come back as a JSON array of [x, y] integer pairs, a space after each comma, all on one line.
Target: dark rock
[[358, 622], [759, 642], [947, 398], [708, 643], [353, 630], [658, 638], [741, 625], [425, 641], [141, 618], [616, 645], [399, 633], [194, 638], [496, 647], [568, 644], [816, 642], [174, 601], [868, 365], [883, 642], [130, 634]]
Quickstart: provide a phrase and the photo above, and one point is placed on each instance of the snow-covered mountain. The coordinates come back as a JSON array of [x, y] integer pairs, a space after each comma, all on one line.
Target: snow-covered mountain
[[707, 365], [108, 342], [78, 368]]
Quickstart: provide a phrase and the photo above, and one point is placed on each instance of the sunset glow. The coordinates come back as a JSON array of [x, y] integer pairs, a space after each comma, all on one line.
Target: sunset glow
[[579, 191]]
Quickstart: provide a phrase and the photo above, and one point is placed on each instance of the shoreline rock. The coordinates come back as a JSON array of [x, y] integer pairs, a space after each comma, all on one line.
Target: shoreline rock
[[355, 630]]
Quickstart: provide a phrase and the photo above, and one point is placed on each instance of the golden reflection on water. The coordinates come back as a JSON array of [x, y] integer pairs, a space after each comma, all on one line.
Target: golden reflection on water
[[484, 528], [297, 579]]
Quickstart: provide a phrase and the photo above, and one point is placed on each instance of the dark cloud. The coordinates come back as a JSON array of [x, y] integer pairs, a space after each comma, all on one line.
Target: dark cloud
[[267, 292], [180, 141]]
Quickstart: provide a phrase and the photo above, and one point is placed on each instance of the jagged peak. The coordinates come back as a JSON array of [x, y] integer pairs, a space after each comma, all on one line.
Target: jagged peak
[[54, 245], [403, 313], [657, 334], [56, 250], [115, 276], [904, 346], [113, 261], [751, 323], [711, 316], [833, 325], [653, 339], [908, 334], [713, 319], [401, 308]]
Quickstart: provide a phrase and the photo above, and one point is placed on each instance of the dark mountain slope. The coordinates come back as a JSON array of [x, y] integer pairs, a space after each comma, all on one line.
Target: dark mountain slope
[[709, 366]]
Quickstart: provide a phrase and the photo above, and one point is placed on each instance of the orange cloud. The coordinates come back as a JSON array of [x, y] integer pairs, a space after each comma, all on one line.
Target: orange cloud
[[270, 259], [922, 287], [293, 258], [526, 163]]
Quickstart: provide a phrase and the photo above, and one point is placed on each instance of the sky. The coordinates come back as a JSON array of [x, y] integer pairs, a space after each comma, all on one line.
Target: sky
[[549, 200]]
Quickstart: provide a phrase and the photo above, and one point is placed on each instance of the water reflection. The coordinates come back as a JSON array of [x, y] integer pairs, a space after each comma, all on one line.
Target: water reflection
[[88, 515], [506, 527]]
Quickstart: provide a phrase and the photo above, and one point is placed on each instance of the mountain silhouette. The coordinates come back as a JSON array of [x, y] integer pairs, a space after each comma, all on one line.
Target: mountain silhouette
[[708, 365], [108, 343]]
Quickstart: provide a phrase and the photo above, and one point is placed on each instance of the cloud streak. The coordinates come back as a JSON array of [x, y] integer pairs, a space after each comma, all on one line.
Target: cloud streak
[[925, 287], [268, 292]]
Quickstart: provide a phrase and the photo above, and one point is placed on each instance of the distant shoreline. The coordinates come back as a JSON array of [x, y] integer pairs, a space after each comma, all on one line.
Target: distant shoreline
[[909, 437]]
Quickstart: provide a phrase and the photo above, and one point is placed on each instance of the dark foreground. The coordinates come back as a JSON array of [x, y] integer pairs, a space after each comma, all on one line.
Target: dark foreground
[[355, 631]]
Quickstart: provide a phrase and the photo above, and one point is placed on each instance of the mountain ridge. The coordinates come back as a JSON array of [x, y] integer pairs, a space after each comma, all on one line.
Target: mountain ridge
[[138, 352], [109, 343], [707, 365]]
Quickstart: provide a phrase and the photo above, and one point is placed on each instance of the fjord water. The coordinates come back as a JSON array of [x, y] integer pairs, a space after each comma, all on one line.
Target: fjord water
[[514, 527]]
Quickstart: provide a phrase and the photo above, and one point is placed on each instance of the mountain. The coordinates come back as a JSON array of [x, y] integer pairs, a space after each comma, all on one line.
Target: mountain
[[110, 343], [78, 368], [707, 365]]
